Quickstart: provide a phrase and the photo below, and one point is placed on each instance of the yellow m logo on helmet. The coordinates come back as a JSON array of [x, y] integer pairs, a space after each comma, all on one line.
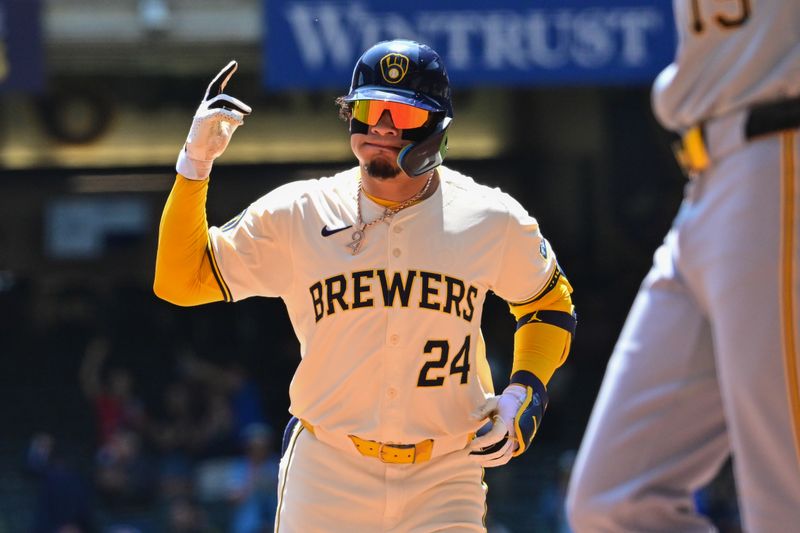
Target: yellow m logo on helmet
[[394, 67]]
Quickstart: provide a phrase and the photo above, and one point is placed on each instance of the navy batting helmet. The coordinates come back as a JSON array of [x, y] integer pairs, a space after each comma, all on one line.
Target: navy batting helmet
[[402, 71], [411, 73]]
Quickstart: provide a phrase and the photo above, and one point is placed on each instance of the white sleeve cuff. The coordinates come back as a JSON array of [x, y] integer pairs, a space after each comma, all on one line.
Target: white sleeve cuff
[[192, 169]]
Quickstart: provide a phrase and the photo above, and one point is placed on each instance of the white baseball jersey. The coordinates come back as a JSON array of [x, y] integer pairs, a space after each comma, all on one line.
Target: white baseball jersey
[[388, 337], [725, 62]]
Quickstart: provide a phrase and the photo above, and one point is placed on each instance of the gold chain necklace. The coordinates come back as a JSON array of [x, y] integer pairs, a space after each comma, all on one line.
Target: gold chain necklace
[[361, 227]]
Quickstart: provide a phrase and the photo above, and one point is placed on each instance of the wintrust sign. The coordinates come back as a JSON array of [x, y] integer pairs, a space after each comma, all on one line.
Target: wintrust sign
[[316, 44]]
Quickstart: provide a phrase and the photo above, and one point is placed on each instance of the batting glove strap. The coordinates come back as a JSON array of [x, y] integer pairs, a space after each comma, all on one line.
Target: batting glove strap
[[530, 413], [494, 443], [496, 454], [493, 449]]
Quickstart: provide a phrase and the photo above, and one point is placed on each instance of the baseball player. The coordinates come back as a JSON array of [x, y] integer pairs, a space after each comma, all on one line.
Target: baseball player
[[707, 364], [384, 269]]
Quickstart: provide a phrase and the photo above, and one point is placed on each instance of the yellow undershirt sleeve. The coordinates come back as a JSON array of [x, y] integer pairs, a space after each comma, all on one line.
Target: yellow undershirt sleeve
[[186, 272], [541, 346]]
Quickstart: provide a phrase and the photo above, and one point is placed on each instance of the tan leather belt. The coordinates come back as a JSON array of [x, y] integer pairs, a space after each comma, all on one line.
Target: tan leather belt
[[394, 453], [388, 452]]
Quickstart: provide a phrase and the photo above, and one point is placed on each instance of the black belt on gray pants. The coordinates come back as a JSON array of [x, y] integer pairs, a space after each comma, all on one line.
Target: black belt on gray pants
[[710, 140], [770, 117]]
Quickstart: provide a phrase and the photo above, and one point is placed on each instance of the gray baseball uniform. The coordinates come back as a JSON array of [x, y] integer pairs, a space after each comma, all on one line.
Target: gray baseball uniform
[[707, 363]]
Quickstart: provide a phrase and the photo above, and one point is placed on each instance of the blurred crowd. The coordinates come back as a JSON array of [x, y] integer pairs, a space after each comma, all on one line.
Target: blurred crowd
[[204, 455]]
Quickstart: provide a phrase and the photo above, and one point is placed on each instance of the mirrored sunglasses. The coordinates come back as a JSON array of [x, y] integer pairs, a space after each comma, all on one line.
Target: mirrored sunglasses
[[404, 116]]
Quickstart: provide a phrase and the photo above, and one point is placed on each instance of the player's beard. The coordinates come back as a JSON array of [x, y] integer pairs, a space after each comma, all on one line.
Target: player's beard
[[382, 168]]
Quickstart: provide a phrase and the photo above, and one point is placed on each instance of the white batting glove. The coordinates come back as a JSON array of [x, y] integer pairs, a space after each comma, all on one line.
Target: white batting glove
[[214, 123], [497, 440]]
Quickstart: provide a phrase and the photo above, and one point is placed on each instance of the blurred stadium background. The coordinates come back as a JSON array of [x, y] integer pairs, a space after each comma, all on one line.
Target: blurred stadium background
[[135, 415]]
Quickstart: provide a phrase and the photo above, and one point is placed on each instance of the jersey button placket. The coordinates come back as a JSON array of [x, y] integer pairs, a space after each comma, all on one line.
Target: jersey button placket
[[396, 342], [397, 241], [393, 364]]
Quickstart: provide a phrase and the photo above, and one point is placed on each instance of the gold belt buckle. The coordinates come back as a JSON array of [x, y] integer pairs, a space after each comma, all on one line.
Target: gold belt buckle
[[383, 459]]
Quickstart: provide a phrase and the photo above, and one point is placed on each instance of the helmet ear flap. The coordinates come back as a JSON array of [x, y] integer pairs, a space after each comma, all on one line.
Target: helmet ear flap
[[420, 157]]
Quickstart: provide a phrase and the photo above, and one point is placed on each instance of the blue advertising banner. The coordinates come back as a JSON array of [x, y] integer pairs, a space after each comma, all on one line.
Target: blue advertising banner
[[21, 45], [314, 44]]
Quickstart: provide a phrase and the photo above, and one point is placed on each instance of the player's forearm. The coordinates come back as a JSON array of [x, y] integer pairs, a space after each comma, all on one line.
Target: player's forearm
[[544, 333], [184, 273], [545, 326], [540, 349]]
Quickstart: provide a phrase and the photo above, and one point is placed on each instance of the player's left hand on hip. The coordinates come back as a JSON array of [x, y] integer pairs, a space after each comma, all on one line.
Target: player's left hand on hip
[[496, 441], [515, 417], [213, 125]]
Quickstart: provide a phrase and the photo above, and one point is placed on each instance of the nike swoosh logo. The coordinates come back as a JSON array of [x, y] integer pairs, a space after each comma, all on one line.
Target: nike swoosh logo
[[328, 232]]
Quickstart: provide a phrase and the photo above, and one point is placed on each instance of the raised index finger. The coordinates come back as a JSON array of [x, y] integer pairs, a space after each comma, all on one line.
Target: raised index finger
[[219, 82]]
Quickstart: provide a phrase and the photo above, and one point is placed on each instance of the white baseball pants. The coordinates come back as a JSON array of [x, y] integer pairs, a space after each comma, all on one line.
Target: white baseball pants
[[324, 489]]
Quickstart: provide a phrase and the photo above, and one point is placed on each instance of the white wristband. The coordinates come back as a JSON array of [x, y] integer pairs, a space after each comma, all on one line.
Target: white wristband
[[519, 392], [192, 169]]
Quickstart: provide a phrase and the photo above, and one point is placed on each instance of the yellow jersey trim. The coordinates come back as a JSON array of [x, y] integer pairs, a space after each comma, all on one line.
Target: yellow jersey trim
[[212, 258], [557, 279]]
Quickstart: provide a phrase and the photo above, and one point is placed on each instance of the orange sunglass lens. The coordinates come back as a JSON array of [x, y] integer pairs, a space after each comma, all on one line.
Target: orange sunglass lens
[[403, 116], [406, 116]]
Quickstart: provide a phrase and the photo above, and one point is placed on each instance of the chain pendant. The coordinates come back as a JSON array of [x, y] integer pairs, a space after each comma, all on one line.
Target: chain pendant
[[361, 227], [358, 237]]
